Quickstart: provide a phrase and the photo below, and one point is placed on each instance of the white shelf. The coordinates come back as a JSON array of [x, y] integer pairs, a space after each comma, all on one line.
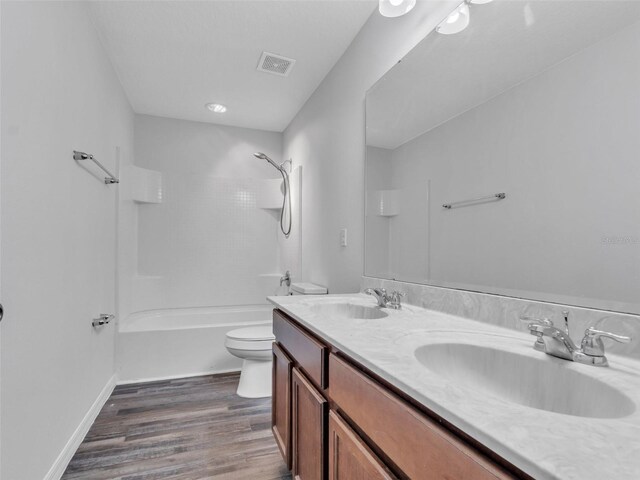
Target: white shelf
[[146, 185], [270, 194], [386, 203]]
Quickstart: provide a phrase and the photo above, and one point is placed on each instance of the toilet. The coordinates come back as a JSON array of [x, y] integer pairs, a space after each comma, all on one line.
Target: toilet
[[253, 346], [307, 289]]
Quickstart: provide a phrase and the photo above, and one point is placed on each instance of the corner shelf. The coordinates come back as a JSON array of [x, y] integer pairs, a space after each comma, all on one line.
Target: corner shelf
[[146, 185], [269, 195], [385, 203]]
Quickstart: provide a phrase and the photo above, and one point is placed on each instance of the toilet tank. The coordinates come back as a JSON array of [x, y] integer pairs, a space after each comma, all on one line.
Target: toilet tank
[[302, 288]]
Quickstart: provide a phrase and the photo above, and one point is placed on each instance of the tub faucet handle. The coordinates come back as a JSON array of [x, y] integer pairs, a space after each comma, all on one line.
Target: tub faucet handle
[[103, 319], [286, 279]]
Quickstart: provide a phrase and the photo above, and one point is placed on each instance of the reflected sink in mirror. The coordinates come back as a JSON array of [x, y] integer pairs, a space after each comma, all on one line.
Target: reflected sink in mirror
[[544, 384], [349, 310]]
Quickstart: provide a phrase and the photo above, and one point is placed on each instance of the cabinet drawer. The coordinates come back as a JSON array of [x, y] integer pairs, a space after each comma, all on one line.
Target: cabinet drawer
[[308, 353], [349, 457], [421, 448]]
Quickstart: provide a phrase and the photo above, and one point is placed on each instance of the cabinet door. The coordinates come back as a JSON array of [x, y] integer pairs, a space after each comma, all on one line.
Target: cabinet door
[[281, 402], [309, 415], [349, 457]]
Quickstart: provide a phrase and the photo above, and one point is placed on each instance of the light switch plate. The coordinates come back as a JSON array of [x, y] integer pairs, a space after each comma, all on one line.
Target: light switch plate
[[343, 237]]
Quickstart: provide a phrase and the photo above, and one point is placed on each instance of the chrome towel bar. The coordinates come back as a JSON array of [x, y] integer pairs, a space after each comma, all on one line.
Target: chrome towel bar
[[87, 156], [495, 196]]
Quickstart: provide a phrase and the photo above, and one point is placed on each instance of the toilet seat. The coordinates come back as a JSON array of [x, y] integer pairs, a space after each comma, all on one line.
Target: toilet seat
[[250, 338]]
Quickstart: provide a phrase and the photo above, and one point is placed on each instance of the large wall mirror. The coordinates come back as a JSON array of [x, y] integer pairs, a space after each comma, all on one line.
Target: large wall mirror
[[506, 158]]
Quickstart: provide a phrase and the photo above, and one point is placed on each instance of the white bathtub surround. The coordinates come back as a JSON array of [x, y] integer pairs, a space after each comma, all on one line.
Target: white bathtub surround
[[525, 430], [208, 242], [506, 311], [171, 343], [205, 249]]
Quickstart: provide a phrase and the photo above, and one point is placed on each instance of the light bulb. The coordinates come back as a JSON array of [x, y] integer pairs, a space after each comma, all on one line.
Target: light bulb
[[453, 17], [395, 8], [456, 21], [216, 107]]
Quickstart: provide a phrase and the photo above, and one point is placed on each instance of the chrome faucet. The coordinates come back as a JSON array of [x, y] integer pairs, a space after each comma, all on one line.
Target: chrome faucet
[[558, 343], [286, 279], [385, 300]]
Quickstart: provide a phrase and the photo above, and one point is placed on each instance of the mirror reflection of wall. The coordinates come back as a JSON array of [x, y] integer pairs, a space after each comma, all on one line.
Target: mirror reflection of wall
[[550, 116]]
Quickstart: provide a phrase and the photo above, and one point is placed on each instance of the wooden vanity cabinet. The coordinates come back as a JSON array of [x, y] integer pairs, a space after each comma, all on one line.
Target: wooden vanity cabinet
[[333, 420], [417, 445], [299, 408]]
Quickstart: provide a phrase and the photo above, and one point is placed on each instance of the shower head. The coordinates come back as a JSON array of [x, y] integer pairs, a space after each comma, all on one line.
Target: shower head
[[262, 156]]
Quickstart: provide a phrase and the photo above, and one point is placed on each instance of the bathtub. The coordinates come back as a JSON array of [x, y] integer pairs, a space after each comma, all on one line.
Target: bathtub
[[171, 343]]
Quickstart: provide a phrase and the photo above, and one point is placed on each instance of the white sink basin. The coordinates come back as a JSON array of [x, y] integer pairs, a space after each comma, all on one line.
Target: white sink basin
[[349, 310], [542, 383]]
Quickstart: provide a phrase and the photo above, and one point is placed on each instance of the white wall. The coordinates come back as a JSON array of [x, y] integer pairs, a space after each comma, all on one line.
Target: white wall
[[59, 93], [327, 137], [208, 243], [564, 147]]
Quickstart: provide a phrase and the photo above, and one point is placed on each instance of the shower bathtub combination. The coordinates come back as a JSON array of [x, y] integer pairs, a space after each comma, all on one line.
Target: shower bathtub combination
[[171, 343]]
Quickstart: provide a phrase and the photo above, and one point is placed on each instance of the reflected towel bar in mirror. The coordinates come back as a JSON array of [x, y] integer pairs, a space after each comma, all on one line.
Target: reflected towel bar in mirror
[[87, 156], [495, 196]]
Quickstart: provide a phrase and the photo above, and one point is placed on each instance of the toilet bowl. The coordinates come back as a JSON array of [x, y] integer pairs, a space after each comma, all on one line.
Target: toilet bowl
[[253, 346]]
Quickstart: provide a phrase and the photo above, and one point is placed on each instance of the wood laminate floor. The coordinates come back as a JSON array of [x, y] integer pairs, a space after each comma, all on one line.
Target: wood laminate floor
[[184, 429]]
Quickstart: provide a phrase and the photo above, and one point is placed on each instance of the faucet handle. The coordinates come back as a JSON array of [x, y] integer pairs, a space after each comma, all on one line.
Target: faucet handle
[[592, 342], [396, 296], [539, 320], [376, 291], [394, 299]]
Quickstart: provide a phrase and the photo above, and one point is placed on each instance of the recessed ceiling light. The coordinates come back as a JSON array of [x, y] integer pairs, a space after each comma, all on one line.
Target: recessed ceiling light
[[216, 107], [480, 2], [395, 8]]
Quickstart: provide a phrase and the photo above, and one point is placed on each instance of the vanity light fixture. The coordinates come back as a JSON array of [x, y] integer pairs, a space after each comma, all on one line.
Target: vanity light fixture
[[456, 21], [459, 19], [395, 8], [216, 107]]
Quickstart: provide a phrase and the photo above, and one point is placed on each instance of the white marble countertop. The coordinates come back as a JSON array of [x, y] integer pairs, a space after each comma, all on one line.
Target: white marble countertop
[[544, 444]]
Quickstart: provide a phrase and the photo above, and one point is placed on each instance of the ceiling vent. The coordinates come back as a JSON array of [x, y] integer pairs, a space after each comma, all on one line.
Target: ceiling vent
[[276, 64]]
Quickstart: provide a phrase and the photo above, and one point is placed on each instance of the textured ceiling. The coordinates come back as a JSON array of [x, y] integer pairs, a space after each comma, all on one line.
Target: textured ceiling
[[173, 57], [507, 42]]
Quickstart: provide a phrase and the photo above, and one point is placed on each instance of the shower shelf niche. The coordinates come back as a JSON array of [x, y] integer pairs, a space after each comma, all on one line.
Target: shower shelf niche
[[146, 185], [269, 195], [385, 203]]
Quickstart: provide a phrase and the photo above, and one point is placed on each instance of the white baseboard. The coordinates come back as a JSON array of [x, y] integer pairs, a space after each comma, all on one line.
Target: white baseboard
[[177, 376], [60, 465]]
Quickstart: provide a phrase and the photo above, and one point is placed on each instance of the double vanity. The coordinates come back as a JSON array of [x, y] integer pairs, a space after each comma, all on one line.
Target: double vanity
[[366, 392]]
